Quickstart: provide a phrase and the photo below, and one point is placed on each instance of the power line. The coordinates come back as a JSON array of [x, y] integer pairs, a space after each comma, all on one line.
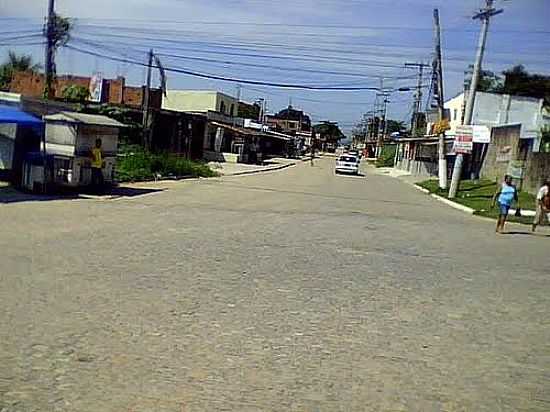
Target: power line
[[222, 78]]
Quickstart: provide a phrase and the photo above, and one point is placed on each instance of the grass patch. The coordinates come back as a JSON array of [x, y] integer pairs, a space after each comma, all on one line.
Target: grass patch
[[478, 195], [387, 158], [134, 164]]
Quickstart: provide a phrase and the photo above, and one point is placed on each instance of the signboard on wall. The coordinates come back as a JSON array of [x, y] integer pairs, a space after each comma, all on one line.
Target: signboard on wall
[[482, 134], [464, 140], [96, 87]]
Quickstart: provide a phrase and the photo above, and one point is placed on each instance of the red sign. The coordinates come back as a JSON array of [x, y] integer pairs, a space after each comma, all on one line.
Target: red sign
[[464, 140]]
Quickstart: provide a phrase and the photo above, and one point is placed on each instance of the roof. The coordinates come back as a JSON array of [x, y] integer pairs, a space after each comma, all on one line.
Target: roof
[[251, 132], [82, 118], [12, 114]]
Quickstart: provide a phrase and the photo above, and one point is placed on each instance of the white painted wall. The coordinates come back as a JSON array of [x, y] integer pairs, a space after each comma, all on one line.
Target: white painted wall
[[500, 109]]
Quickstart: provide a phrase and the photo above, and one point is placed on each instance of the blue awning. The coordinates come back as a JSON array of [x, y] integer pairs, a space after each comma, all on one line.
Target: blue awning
[[11, 114]]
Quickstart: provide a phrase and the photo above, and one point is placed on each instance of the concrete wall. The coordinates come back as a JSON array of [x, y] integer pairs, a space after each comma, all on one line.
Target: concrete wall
[[198, 101], [507, 146], [504, 148], [500, 109], [537, 170], [115, 91], [418, 168]]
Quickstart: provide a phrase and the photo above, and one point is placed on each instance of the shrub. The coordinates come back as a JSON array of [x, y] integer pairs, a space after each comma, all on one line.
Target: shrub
[[135, 164], [387, 157]]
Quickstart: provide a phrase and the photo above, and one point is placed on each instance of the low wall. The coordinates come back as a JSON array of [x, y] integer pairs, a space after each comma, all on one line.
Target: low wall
[[418, 168], [221, 157], [537, 170]]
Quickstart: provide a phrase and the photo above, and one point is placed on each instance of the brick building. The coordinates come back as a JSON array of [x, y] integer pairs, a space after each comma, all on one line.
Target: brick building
[[114, 91]]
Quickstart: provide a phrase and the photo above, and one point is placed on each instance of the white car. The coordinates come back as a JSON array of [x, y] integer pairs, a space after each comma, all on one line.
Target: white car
[[347, 164]]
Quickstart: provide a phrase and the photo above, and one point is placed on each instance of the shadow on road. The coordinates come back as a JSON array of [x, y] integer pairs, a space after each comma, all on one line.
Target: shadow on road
[[8, 194], [535, 234]]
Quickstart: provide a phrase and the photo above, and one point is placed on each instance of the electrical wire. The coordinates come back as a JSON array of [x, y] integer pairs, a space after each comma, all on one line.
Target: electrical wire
[[222, 78]]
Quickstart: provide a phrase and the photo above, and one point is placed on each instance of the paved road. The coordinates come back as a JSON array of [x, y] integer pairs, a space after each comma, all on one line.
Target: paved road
[[289, 291]]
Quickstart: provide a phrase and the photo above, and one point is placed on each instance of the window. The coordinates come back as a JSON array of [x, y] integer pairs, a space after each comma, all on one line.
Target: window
[[232, 113], [222, 107], [456, 114]]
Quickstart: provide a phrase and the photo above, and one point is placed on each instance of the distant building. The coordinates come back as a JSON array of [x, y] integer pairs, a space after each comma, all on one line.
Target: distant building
[[492, 109], [200, 101], [289, 121], [112, 91]]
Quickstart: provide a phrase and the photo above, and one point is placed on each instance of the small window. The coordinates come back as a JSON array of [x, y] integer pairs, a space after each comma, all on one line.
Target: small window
[[222, 107], [232, 110], [456, 114]]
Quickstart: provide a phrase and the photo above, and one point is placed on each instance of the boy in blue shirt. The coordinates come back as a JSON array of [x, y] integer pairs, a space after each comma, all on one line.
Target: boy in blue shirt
[[505, 196]]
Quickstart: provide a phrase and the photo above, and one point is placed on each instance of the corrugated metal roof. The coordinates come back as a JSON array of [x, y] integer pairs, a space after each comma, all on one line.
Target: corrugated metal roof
[[83, 118]]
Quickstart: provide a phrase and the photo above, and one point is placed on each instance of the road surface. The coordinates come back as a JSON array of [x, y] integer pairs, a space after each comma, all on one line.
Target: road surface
[[295, 290]]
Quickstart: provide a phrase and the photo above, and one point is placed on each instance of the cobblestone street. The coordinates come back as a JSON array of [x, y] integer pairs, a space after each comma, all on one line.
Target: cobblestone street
[[294, 290]]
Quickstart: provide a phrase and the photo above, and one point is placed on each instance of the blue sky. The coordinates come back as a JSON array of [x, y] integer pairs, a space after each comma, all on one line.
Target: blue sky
[[322, 42]]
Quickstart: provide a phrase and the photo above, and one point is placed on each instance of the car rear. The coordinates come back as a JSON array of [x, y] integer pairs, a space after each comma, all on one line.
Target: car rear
[[347, 164]]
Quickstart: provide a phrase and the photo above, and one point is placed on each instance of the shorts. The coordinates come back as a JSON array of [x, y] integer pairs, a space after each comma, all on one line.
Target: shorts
[[541, 216], [504, 209]]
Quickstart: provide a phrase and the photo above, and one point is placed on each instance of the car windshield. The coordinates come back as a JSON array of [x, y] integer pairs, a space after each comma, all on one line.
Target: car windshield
[[348, 159]]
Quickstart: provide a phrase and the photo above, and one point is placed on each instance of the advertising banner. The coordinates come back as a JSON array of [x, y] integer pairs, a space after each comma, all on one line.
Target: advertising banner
[[464, 140]]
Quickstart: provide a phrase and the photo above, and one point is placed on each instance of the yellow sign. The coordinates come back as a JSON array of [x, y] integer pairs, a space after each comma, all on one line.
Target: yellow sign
[[441, 127]]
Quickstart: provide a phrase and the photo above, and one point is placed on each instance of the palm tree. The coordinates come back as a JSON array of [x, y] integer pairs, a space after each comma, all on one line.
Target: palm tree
[[16, 63]]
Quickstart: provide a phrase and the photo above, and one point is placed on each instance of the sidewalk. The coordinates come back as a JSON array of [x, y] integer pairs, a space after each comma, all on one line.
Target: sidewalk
[[236, 169]]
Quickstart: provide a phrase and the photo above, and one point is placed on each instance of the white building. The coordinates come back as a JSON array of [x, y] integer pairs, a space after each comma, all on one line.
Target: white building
[[493, 109], [200, 101]]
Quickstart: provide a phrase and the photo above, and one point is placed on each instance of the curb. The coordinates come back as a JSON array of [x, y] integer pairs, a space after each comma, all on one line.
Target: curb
[[421, 189], [454, 205], [250, 172]]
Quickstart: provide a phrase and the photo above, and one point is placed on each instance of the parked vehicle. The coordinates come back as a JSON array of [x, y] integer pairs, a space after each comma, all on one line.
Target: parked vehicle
[[356, 154], [347, 164]]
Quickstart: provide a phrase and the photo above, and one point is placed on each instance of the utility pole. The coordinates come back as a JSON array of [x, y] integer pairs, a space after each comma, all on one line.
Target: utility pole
[[485, 16], [236, 114], [49, 92], [418, 96], [438, 71], [146, 103]]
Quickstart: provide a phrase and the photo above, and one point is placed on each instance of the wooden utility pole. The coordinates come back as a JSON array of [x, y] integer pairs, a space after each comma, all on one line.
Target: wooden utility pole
[[418, 96], [438, 72], [49, 91], [146, 104], [485, 16]]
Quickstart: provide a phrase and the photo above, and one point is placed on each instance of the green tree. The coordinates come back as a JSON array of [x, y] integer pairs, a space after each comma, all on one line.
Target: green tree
[[520, 82], [490, 82], [62, 31], [61, 34], [396, 126], [329, 131], [15, 63], [75, 93]]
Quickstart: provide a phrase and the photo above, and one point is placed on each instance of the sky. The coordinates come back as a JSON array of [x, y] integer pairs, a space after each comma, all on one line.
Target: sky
[[334, 43]]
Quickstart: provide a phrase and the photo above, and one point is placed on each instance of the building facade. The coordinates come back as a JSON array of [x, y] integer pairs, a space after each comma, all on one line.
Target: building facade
[[200, 101], [492, 109], [112, 91]]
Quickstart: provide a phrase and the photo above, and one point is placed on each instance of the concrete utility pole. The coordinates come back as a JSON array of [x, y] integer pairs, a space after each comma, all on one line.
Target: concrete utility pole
[[49, 92], [146, 103], [485, 16], [236, 114], [418, 96], [438, 68]]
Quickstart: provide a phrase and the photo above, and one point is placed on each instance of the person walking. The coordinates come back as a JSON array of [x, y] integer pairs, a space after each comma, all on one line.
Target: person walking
[[542, 215], [505, 196], [96, 161]]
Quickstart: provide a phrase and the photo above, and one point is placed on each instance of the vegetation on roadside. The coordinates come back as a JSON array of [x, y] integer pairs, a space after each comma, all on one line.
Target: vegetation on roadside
[[478, 195], [135, 164], [387, 158], [16, 63]]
